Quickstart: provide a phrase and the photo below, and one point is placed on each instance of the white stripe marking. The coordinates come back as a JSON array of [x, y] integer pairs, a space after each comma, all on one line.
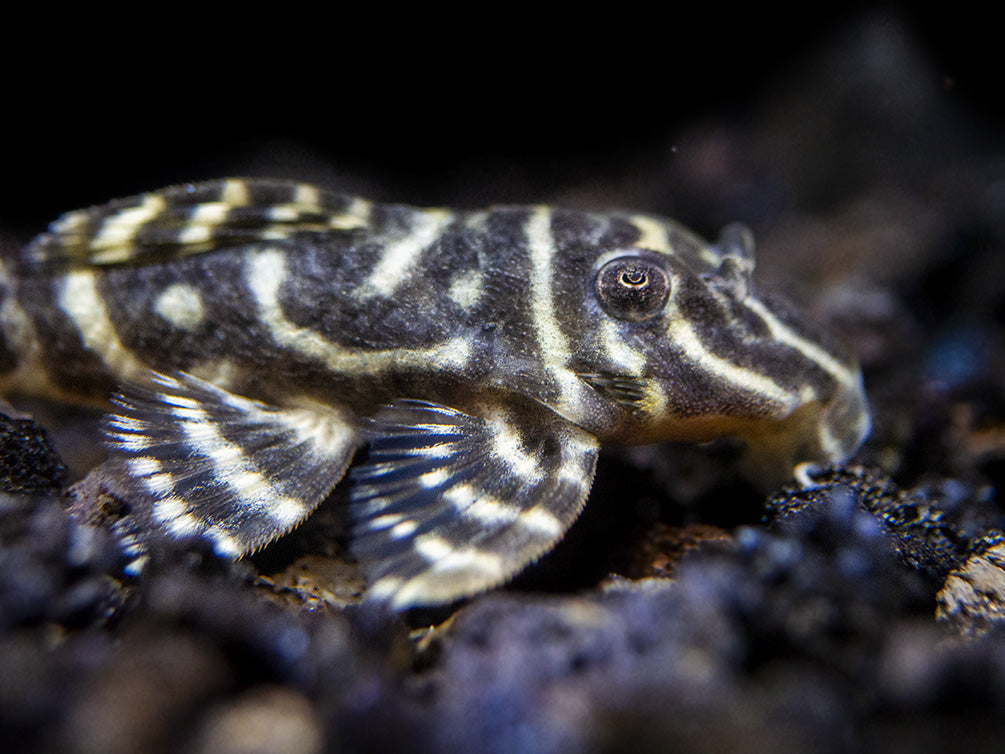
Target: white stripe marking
[[307, 194], [251, 488], [403, 529], [148, 471], [432, 548], [181, 525], [287, 511], [143, 466], [625, 358], [192, 235], [554, 345], [469, 501], [385, 522], [434, 478], [652, 234], [130, 438], [400, 256], [324, 429], [266, 271], [357, 215], [159, 485], [443, 558], [209, 213], [810, 350], [684, 337], [829, 444], [455, 574], [20, 335], [491, 511], [507, 445], [235, 192], [461, 496], [224, 542], [542, 523], [170, 508], [383, 588], [120, 228], [179, 401], [80, 300], [285, 213]]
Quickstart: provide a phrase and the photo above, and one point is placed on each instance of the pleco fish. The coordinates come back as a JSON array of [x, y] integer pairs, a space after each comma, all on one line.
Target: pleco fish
[[262, 332]]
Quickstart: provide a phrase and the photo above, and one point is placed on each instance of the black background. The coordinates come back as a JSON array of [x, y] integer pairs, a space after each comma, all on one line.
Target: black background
[[401, 106]]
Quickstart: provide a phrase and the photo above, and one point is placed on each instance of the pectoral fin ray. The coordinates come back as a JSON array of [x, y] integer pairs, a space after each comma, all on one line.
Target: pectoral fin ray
[[626, 391]]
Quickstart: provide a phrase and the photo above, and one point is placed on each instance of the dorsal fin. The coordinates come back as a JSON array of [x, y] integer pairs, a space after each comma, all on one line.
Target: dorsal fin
[[191, 218]]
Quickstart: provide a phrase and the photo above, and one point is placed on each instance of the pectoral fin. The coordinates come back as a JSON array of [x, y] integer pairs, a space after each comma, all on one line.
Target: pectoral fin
[[624, 390], [237, 471], [449, 504]]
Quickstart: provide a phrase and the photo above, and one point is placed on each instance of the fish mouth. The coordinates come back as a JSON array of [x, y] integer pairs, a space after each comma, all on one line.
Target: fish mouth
[[845, 423], [816, 433]]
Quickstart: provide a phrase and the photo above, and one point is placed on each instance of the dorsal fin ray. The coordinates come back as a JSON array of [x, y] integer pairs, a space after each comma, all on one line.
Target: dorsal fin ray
[[192, 218]]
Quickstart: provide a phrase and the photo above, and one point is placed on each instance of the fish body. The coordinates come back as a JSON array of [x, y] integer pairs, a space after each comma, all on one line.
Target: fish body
[[261, 332]]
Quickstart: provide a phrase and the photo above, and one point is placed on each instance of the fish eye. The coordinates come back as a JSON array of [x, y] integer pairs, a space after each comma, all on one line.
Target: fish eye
[[632, 288]]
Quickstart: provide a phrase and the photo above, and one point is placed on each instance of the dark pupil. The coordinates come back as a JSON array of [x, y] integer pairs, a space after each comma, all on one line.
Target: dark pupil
[[633, 278]]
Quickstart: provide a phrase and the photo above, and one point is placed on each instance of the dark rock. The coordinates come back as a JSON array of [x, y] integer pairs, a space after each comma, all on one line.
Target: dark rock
[[28, 462]]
